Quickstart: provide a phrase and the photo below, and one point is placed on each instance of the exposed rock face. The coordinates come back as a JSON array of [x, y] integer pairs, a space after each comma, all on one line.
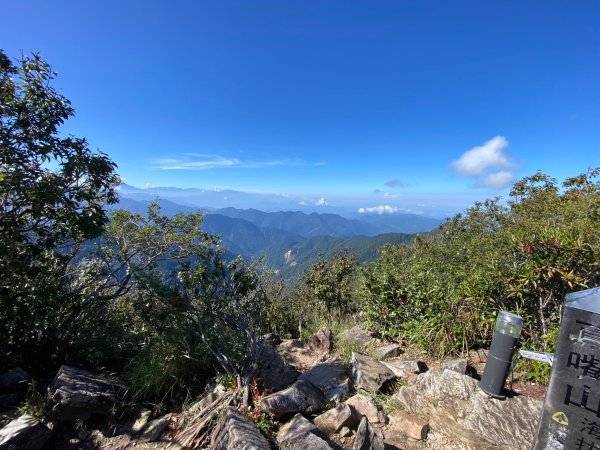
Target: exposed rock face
[[388, 351], [363, 407], [403, 369], [24, 433], [299, 434], [78, 394], [367, 437], [333, 420], [321, 340], [368, 373], [235, 432], [274, 371], [357, 337], [302, 396], [458, 408]]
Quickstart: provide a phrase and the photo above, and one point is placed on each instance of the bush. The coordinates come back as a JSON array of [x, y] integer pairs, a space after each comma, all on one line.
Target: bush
[[444, 291]]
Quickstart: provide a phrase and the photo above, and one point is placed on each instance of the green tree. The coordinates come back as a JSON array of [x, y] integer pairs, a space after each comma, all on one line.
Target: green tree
[[52, 192]]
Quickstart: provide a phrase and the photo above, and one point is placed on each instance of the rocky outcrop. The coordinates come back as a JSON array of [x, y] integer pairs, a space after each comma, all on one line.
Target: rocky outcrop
[[367, 437], [78, 394], [300, 434], [368, 373], [407, 424], [24, 433], [335, 419], [456, 407], [321, 341], [456, 365], [274, 371], [326, 375], [355, 336], [235, 432], [302, 396]]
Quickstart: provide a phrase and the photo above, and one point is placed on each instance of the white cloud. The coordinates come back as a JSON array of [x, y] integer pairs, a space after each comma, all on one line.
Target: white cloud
[[320, 163], [195, 161], [322, 202], [381, 209], [478, 160], [496, 180], [389, 196]]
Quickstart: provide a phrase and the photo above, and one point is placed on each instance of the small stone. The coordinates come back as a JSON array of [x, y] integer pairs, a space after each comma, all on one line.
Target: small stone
[[403, 369], [363, 406], [345, 432], [299, 434], [155, 429], [141, 421], [388, 351], [333, 420], [408, 424]]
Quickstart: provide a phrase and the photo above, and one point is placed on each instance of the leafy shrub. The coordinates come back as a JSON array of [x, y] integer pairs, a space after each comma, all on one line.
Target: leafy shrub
[[444, 291]]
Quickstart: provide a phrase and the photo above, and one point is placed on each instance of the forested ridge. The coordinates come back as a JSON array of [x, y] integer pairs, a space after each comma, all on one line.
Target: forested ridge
[[153, 299]]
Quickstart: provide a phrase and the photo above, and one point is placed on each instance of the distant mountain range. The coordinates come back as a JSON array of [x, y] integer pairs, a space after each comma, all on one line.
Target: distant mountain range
[[290, 240]]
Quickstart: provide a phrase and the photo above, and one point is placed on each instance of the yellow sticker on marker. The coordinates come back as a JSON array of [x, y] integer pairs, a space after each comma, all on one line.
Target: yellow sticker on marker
[[560, 417]]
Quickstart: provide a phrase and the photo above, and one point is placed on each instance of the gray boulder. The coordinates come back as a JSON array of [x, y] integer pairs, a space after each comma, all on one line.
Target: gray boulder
[[302, 396], [326, 375], [236, 432], [274, 371], [403, 369], [457, 365], [368, 373], [14, 379], [24, 433], [367, 437], [457, 408], [300, 434], [388, 351], [77, 394]]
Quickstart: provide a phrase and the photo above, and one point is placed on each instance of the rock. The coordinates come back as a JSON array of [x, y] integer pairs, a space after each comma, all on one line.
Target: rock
[[363, 407], [24, 433], [78, 394], [270, 339], [338, 393], [357, 337], [478, 356], [141, 420], [236, 432], [299, 434], [333, 420], [388, 351], [408, 424], [345, 432], [368, 373], [8, 401], [155, 429], [367, 437], [457, 408], [321, 340], [14, 379], [326, 375], [302, 396], [403, 369], [456, 365], [274, 371]]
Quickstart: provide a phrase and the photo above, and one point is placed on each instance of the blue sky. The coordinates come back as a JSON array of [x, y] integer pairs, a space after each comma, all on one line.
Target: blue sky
[[446, 102]]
